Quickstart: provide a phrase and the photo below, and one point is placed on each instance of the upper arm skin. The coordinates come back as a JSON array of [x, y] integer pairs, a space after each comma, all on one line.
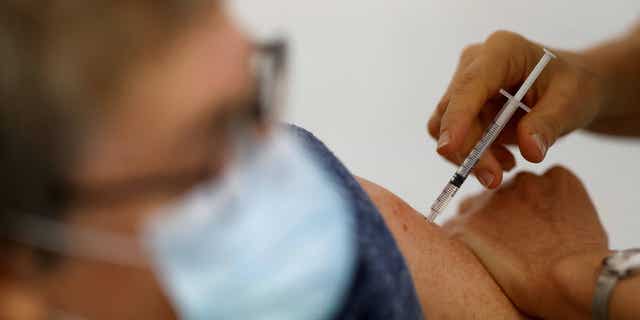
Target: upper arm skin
[[450, 281]]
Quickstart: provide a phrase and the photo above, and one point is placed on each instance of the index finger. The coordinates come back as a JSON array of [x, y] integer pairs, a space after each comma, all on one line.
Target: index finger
[[503, 62], [469, 94]]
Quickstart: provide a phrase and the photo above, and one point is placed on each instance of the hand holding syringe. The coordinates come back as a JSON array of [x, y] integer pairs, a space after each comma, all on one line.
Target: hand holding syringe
[[492, 132]]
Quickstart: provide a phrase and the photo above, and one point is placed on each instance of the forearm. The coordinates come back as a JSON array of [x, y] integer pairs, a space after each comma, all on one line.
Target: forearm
[[577, 278], [617, 64], [450, 281]]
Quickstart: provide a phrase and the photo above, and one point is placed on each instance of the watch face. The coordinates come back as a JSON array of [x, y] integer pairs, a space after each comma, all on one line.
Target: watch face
[[624, 263]]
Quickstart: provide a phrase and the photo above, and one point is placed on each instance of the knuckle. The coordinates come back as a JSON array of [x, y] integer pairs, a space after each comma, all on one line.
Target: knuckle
[[550, 126], [524, 177], [500, 46], [547, 127], [451, 118], [531, 188], [469, 52], [558, 170], [442, 105], [554, 129], [562, 174], [502, 36], [466, 79], [433, 127], [487, 162]]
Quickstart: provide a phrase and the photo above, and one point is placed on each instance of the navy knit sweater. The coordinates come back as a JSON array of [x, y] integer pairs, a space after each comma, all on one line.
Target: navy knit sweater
[[382, 287]]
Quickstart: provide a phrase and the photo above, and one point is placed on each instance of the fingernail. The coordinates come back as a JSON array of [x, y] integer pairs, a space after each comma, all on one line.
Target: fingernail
[[542, 147], [444, 139], [485, 177]]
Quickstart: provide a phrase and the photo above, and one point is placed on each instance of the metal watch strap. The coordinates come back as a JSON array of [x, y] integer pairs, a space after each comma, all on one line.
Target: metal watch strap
[[604, 286], [619, 265]]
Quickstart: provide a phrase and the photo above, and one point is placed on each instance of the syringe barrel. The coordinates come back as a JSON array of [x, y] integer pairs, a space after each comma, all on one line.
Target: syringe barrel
[[507, 111], [489, 136], [503, 117], [442, 201]]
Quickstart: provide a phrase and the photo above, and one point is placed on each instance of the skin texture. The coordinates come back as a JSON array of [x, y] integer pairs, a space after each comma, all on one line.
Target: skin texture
[[541, 240], [180, 95], [439, 264], [616, 62], [593, 89]]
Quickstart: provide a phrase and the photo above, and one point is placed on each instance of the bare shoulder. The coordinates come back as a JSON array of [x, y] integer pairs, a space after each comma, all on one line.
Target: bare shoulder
[[450, 281], [384, 199]]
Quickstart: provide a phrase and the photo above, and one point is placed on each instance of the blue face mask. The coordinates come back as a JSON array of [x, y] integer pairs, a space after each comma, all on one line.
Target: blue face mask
[[273, 240]]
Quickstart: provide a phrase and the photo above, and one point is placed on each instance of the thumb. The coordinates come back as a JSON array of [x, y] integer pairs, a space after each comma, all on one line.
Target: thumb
[[541, 128]]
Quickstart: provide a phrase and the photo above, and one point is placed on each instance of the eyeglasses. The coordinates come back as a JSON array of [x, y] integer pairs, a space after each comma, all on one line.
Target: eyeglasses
[[269, 64], [259, 111]]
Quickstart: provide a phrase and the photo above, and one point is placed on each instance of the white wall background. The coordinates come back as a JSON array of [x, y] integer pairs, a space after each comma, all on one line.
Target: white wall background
[[367, 74]]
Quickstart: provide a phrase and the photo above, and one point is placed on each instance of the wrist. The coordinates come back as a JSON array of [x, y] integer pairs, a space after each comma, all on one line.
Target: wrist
[[575, 278], [616, 66], [598, 90]]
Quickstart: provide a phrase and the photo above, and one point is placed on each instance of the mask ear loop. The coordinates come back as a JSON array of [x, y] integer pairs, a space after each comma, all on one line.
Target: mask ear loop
[[268, 64], [53, 236]]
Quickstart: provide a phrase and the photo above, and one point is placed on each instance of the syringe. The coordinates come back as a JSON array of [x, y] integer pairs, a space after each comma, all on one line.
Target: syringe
[[491, 133]]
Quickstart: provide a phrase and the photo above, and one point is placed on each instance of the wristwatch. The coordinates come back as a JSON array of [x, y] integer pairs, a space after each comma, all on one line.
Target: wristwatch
[[620, 265]]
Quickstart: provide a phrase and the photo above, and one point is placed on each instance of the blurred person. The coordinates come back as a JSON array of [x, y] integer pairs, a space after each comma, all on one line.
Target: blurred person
[[145, 177]]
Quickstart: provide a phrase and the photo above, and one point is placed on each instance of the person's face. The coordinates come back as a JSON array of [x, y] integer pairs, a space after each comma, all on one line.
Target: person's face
[[165, 130]]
